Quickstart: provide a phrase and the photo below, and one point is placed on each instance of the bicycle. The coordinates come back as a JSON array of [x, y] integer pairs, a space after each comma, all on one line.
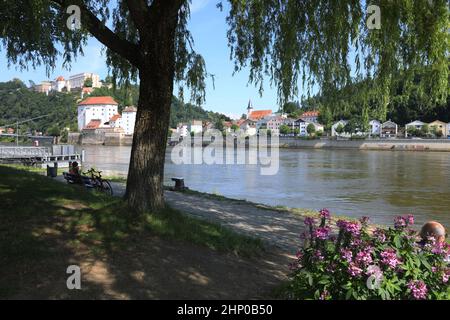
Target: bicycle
[[98, 182]]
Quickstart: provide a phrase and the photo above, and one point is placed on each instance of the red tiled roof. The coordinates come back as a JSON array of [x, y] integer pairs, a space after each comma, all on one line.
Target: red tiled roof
[[87, 89], [93, 124], [98, 100], [240, 122], [257, 115], [115, 117], [60, 78]]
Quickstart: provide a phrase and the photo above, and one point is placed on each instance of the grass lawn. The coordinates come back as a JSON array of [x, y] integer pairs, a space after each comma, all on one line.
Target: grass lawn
[[46, 225]]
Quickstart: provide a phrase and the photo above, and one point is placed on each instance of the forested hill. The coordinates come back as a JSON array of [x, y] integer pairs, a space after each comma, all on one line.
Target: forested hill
[[361, 101], [19, 103]]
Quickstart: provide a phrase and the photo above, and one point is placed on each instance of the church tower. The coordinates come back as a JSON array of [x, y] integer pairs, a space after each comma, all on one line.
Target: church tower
[[249, 109]]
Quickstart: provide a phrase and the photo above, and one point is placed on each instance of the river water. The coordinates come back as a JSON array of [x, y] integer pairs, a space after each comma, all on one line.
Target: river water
[[378, 184]]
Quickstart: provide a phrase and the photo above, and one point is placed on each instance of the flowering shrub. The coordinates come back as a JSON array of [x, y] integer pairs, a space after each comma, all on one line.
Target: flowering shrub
[[354, 263]]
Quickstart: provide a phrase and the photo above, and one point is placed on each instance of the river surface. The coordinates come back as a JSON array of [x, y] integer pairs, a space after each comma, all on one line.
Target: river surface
[[378, 184]]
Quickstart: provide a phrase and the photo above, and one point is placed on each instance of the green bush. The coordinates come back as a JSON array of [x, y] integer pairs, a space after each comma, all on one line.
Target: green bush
[[357, 264]]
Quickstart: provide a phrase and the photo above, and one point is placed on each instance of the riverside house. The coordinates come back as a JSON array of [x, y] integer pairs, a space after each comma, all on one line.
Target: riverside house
[[440, 127], [389, 129], [340, 123], [310, 116], [248, 127], [375, 128], [274, 123], [301, 125], [418, 125], [196, 126], [96, 108]]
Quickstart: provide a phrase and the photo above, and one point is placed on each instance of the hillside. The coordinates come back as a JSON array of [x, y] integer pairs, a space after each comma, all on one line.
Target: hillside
[[18, 103]]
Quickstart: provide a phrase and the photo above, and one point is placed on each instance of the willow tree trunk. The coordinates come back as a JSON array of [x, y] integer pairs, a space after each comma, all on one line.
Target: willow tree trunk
[[146, 171]]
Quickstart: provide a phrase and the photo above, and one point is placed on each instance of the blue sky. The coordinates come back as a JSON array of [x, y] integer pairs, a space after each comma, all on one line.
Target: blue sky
[[208, 26]]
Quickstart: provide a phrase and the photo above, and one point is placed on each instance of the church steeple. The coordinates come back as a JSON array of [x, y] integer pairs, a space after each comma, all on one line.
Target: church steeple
[[249, 108]]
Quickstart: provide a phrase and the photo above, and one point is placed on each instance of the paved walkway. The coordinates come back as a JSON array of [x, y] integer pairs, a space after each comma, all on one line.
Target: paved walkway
[[279, 229]]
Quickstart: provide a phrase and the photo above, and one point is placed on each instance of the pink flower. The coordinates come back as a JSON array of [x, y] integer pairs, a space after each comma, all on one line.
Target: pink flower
[[318, 255], [402, 222], [325, 214], [380, 235], [389, 258], [445, 276], [351, 227], [309, 221], [322, 233], [441, 248], [346, 255], [354, 270], [364, 257], [410, 219], [356, 242], [418, 289]]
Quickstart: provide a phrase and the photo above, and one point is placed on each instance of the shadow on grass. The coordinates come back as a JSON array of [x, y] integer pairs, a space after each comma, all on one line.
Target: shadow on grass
[[45, 226]]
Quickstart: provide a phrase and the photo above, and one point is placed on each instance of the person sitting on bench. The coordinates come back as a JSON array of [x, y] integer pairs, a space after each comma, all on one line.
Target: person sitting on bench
[[75, 172]]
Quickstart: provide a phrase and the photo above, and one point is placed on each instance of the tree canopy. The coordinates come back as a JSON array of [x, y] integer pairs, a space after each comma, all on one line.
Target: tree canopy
[[284, 40]]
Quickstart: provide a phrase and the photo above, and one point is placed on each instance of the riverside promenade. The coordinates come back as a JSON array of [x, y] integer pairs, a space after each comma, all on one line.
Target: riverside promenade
[[276, 228], [437, 145]]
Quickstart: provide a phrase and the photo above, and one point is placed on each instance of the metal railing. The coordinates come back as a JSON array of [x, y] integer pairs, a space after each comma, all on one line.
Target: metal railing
[[23, 152]]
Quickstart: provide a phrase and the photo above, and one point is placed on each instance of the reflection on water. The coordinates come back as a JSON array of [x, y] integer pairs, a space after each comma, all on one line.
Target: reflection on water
[[379, 184]]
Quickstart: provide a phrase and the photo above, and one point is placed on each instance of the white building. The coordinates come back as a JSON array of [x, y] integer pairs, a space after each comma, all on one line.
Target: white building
[[196, 126], [415, 124], [43, 87], [375, 128], [318, 127], [248, 127], [310, 116], [302, 127], [59, 84], [182, 130], [101, 109], [128, 119], [389, 129], [77, 81], [116, 121], [274, 123], [341, 123]]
